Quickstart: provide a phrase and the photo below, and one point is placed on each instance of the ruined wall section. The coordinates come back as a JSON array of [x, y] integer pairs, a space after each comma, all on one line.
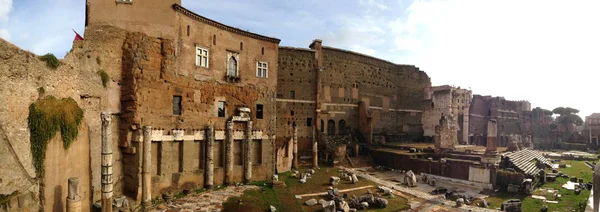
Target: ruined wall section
[[158, 70], [395, 91], [513, 117], [154, 17], [23, 74], [297, 75]]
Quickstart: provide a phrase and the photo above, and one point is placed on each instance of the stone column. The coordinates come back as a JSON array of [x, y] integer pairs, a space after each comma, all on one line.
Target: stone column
[[315, 155], [596, 188], [248, 152], [106, 163], [229, 153], [146, 167], [356, 149], [491, 146], [295, 152], [209, 168], [73, 198]]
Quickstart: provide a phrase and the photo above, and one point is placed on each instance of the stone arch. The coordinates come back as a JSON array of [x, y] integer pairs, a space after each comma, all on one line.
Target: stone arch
[[331, 127], [232, 66], [342, 127]]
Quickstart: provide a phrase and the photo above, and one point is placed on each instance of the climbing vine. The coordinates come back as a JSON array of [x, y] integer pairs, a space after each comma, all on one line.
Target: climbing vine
[[46, 116]]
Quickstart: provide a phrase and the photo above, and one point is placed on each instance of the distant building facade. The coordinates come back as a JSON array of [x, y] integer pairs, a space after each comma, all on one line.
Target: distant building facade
[[513, 118], [592, 128], [447, 100], [330, 91]]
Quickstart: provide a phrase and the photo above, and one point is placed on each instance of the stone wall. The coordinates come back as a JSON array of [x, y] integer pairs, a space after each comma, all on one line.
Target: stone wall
[[333, 81], [297, 75], [445, 100], [513, 117], [157, 71], [23, 74]]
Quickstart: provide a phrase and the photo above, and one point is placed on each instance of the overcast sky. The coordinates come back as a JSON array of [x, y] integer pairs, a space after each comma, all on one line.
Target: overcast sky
[[546, 52]]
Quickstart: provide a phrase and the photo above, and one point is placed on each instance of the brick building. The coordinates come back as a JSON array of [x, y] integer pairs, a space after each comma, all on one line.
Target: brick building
[[513, 117], [447, 100], [332, 91], [206, 89], [592, 128]]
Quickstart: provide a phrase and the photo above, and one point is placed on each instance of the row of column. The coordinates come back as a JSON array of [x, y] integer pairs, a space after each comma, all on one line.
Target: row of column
[[209, 166]]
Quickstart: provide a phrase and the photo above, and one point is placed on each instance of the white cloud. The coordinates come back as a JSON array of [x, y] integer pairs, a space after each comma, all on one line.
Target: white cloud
[[5, 8], [4, 34]]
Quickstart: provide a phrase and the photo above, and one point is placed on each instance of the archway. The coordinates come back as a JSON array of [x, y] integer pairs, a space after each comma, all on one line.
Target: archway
[[331, 127], [342, 126]]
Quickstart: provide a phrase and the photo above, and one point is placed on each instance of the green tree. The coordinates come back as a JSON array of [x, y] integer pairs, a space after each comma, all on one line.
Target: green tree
[[567, 116]]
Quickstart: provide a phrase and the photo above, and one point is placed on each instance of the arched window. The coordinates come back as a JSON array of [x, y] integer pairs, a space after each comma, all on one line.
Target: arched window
[[342, 127], [331, 127], [232, 66], [241, 46], [214, 39], [188, 30], [322, 126], [262, 51]]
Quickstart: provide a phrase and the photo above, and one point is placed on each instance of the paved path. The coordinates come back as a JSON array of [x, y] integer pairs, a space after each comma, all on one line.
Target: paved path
[[422, 201], [210, 201]]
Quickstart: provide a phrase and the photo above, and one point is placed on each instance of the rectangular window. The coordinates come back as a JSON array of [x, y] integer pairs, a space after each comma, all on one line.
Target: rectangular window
[[221, 109], [262, 69], [259, 111], [201, 57], [292, 94], [309, 122], [176, 105]]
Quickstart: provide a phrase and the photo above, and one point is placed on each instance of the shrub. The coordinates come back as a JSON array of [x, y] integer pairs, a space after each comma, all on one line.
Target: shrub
[[46, 116], [51, 60], [41, 91], [104, 76], [505, 177]]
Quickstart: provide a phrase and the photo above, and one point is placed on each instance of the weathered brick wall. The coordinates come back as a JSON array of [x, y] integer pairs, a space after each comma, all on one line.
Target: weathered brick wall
[[392, 89], [157, 69], [513, 117], [297, 74], [458, 169]]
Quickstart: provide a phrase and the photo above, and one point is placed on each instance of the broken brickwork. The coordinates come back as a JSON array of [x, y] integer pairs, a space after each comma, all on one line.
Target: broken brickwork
[[333, 81], [513, 117]]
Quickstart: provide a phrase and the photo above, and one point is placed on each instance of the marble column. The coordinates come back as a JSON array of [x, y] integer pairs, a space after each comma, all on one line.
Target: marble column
[[295, 151], [315, 155], [209, 167], [146, 167], [73, 198], [248, 152], [229, 154], [106, 163]]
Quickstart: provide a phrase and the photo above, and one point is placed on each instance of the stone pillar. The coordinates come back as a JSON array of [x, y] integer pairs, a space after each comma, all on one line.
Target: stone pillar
[[209, 167], [229, 153], [73, 198], [146, 167], [491, 146], [596, 187], [315, 155], [356, 149], [465, 125], [248, 152], [106, 163], [295, 152]]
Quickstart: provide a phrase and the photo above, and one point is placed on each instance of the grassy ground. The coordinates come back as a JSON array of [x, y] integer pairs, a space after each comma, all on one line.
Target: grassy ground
[[283, 198], [568, 202]]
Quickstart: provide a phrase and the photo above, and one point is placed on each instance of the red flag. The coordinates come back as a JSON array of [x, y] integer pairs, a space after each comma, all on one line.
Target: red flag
[[77, 36]]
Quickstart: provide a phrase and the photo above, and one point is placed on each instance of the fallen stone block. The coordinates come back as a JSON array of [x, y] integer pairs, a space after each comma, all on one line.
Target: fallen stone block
[[311, 202]]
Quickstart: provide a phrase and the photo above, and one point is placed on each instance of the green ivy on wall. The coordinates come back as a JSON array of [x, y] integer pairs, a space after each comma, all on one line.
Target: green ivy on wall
[[46, 116]]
